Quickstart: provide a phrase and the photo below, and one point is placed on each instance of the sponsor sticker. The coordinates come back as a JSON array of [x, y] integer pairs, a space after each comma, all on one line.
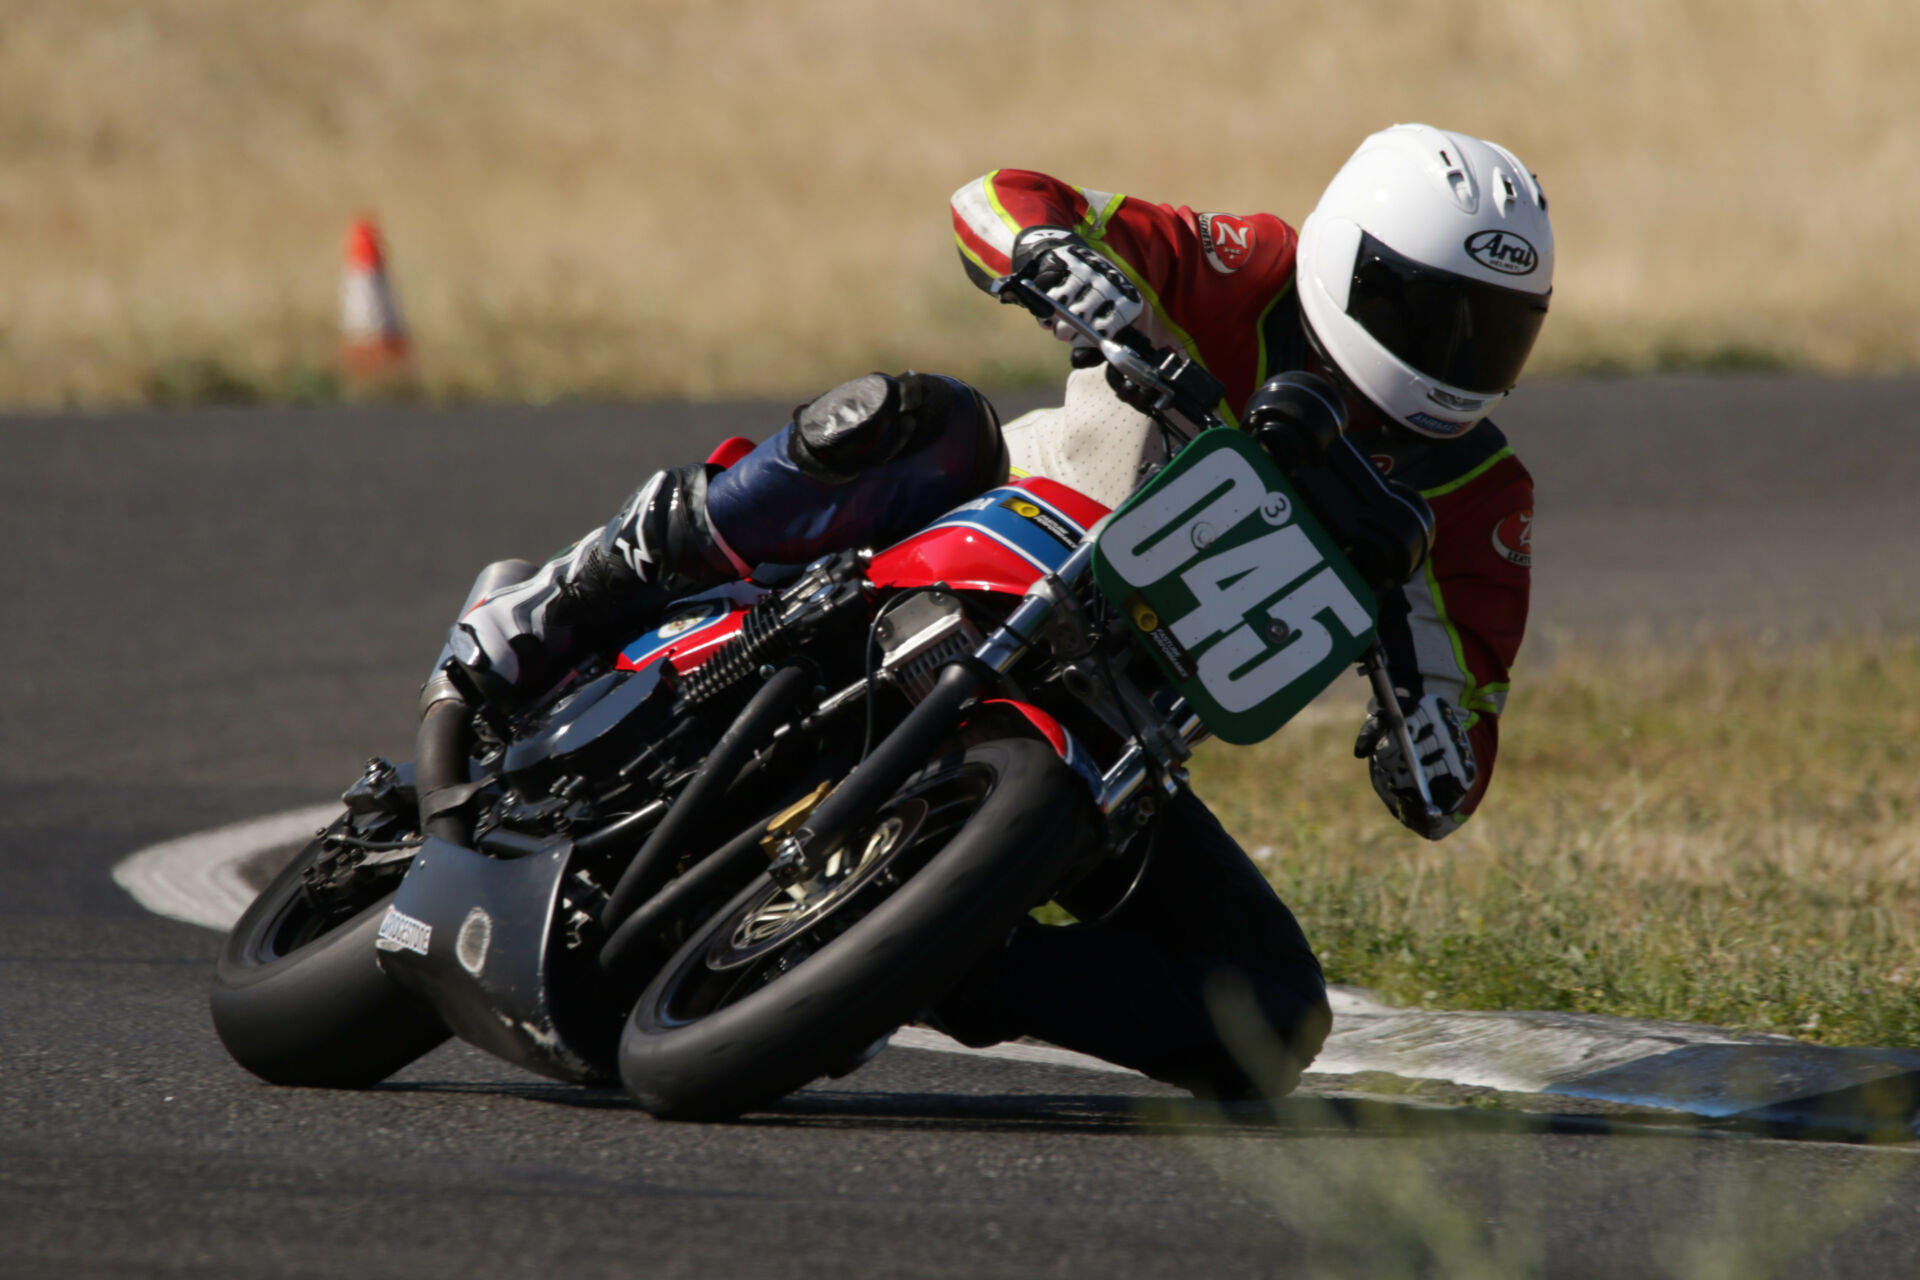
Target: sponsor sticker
[[686, 620], [1226, 241], [401, 932], [1164, 642], [1382, 462], [1049, 523], [1513, 538], [1503, 251], [1427, 422]]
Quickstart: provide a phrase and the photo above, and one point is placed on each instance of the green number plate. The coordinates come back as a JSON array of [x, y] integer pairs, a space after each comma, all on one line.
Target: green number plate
[[1234, 587]]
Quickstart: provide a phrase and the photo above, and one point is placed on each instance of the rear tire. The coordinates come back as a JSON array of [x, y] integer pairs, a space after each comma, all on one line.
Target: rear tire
[[299, 1002], [768, 996]]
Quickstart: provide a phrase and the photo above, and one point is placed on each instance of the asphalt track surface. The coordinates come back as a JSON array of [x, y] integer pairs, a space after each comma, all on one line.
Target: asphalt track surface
[[216, 615]]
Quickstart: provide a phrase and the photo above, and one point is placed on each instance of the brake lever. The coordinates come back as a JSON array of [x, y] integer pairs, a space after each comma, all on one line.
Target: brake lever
[[1374, 666]]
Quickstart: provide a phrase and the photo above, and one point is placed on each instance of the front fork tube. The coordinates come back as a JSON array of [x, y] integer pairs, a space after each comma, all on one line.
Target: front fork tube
[[1126, 787], [1143, 762]]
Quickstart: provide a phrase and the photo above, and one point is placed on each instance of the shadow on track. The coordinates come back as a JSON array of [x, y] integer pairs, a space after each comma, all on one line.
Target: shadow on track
[[1104, 1114]]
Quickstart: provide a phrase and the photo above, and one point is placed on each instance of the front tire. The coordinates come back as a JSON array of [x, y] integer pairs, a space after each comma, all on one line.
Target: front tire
[[299, 998], [771, 993]]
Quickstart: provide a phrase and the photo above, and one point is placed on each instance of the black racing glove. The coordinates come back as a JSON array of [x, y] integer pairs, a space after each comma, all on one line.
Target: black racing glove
[[1440, 740], [1079, 279]]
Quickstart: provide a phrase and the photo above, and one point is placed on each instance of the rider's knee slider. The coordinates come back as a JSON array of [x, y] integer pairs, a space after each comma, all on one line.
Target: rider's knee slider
[[875, 419]]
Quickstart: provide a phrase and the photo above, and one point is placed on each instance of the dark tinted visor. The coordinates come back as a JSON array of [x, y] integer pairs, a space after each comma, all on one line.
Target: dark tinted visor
[[1465, 333]]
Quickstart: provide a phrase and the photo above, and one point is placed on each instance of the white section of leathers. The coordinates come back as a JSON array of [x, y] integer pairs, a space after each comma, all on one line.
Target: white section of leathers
[[975, 206], [1092, 442], [1440, 671]]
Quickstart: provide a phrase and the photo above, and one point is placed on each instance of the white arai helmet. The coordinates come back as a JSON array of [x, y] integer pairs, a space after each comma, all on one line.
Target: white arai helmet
[[1424, 274]]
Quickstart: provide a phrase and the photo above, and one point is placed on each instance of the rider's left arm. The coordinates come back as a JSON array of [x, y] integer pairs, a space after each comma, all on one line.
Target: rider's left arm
[[1455, 629]]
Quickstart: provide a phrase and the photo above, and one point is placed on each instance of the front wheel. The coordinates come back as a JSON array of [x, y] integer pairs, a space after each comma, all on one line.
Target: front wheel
[[300, 999], [780, 988]]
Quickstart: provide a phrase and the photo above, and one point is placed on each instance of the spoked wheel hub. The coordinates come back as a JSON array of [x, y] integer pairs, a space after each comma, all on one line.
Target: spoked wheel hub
[[785, 913]]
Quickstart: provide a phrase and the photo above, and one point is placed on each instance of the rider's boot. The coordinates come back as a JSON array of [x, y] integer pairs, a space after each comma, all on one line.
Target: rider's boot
[[523, 626]]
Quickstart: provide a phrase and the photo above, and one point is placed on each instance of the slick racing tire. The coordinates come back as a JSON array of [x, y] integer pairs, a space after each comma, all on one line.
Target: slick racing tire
[[774, 992], [297, 1002]]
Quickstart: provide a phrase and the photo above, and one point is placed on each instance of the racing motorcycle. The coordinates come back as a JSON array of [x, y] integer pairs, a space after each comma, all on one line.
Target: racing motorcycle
[[735, 855]]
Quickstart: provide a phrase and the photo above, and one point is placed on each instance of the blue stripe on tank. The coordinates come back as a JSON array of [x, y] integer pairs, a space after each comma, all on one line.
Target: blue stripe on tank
[[988, 514]]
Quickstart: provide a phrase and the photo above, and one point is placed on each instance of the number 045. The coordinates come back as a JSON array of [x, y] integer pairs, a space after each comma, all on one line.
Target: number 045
[[1175, 530]]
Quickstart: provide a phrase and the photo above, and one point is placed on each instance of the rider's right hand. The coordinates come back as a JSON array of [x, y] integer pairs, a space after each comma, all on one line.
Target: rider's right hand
[[1079, 279]]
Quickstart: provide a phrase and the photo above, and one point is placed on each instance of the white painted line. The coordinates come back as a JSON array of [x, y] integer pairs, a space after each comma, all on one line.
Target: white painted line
[[1513, 1052], [197, 878]]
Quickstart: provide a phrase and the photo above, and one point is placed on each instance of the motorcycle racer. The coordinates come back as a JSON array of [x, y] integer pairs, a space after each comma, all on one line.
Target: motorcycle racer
[[1416, 286]]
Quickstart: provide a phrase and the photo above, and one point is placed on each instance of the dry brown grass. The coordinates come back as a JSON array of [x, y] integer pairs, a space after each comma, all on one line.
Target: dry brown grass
[[670, 197]]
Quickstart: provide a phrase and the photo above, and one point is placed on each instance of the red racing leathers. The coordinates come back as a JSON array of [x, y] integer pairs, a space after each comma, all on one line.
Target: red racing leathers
[[1221, 286]]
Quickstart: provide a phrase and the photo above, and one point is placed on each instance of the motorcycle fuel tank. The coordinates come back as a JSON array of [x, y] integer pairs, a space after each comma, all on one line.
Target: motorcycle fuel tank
[[1001, 541]]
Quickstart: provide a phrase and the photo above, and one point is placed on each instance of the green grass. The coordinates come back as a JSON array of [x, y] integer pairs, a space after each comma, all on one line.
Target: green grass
[[1726, 834]]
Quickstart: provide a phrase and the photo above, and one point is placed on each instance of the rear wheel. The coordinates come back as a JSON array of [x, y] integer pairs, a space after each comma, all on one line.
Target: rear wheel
[[298, 996], [779, 988]]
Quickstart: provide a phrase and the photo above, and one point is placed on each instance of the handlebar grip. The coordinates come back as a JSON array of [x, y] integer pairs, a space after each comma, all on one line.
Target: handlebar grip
[[1021, 292]]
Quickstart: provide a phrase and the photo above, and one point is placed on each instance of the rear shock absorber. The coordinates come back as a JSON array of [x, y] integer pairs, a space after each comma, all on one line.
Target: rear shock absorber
[[764, 636], [777, 626]]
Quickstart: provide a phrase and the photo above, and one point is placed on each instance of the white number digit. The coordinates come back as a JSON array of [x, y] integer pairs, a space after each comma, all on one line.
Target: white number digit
[[1234, 583], [1222, 668], [1156, 537]]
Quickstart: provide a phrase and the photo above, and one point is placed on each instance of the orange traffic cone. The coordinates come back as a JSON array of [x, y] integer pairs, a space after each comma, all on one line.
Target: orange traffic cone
[[373, 338]]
